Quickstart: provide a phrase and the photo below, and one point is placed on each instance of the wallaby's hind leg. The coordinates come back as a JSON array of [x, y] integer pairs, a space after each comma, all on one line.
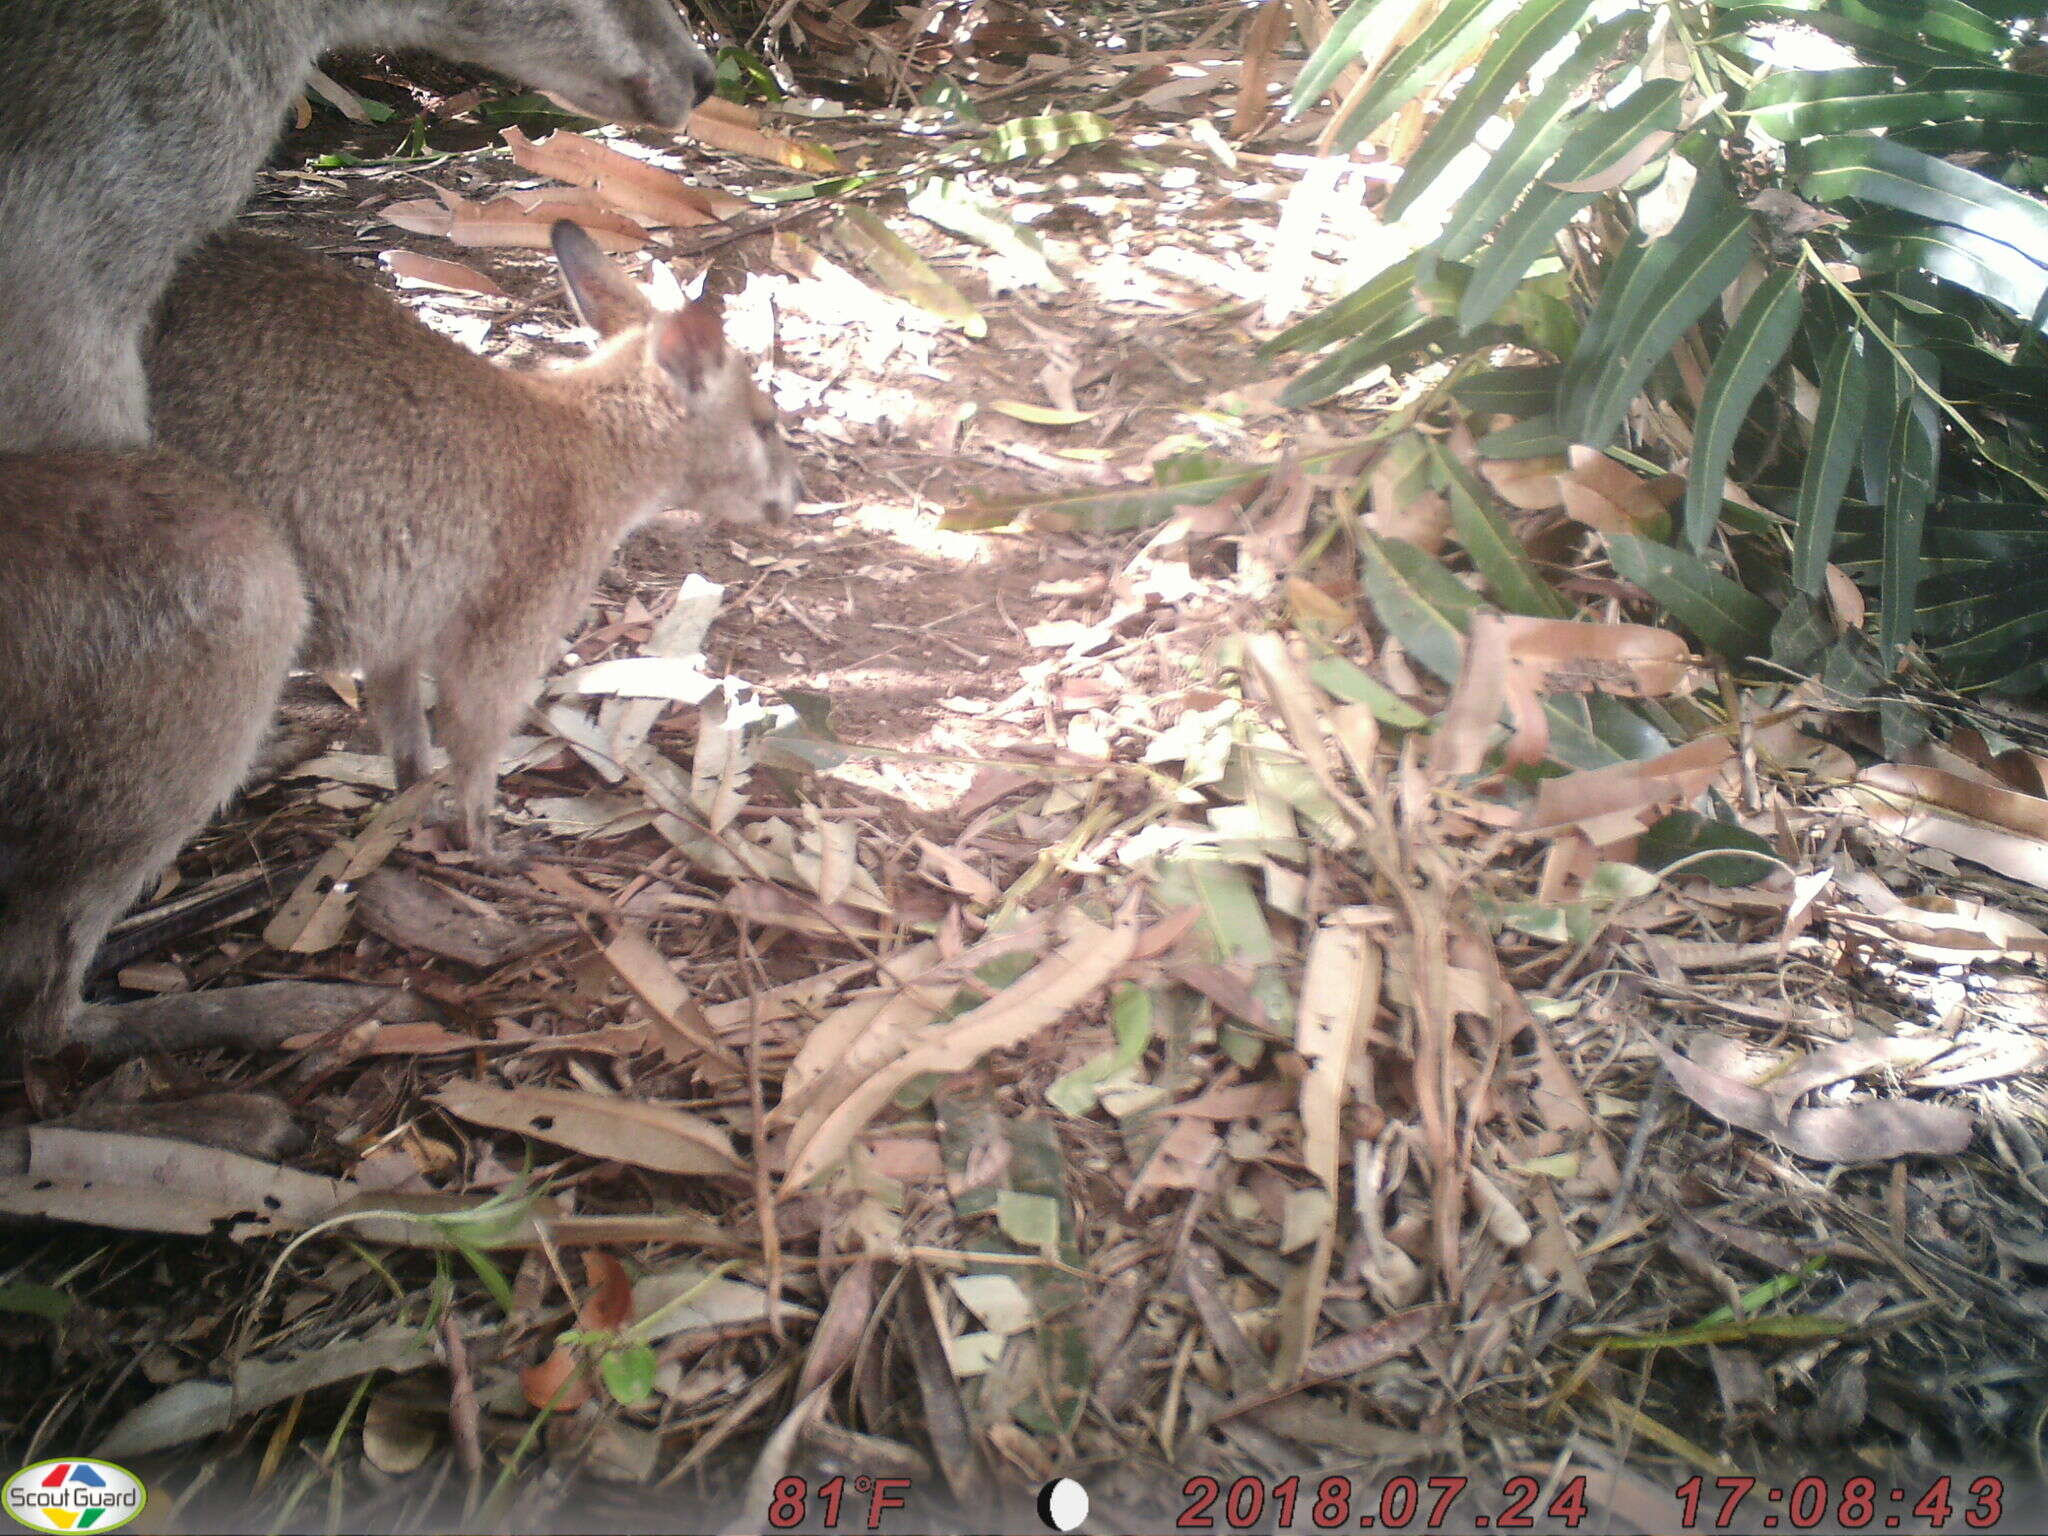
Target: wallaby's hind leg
[[392, 695], [44, 953], [151, 617]]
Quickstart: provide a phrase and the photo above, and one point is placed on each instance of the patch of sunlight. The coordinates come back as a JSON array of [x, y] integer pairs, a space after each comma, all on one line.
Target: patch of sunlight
[[916, 529]]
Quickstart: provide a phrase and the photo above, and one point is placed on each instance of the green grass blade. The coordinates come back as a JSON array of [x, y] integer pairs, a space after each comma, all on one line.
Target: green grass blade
[[1754, 346], [1989, 268], [1367, 307], [1879, 171], [1421, 603], [1911, 470], [1344, 367], [1449, 37], [1338, 49], [1492, 545]]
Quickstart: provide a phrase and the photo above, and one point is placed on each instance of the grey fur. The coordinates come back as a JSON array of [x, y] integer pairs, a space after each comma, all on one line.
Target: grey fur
[[130, 128]]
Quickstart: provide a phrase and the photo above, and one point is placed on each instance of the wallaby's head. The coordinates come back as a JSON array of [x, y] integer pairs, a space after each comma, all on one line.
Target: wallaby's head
[[626, 61], [673, 387]]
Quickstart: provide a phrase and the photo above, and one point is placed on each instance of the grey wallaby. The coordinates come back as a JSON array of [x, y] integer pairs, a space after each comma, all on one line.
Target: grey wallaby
[[437, 512], [129, 128]]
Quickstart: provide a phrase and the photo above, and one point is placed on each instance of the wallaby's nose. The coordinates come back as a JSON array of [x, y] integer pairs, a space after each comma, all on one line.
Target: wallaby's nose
[[703, 79]]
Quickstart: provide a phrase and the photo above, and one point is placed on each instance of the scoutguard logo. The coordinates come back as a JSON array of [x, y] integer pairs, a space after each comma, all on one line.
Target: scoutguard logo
[[74, 1495]]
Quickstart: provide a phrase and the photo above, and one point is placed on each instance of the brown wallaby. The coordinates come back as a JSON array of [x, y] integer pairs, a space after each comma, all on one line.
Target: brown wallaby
[[150, 616], [450, 516], [443, 514], [129, 128]]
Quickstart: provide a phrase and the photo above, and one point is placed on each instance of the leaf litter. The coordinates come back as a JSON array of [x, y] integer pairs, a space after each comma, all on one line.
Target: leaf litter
[[1182, 984]]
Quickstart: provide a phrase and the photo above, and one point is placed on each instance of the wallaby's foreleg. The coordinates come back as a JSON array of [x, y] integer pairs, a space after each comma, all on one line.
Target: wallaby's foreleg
[[482, 694], [392, 696]]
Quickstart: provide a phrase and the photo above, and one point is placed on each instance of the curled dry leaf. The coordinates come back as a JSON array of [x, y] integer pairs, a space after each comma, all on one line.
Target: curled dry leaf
[[1465, 728], [1531, 485], [519, 221], [722, 130], [624, 1130], [416, 271], [1602, 494], [1088, 955], [1994, 827], [191, 1410], [1617, 802], [1845, 598], [1874, 1130], [631, 186]]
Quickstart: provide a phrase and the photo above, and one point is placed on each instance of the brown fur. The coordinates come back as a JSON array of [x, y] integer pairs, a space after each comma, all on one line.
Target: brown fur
[[450, 516], [150, 616]]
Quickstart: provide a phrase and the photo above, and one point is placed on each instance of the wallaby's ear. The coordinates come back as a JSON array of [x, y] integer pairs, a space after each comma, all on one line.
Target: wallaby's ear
[[604, 298], [664, 288], [690, 343]]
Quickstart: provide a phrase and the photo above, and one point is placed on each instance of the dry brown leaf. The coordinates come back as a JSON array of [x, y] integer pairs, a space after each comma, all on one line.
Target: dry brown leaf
[[1350, 1353], [1180, 1161], [720, 131], [414, 270], [561, 1383], [685, 1033], [1528, 484], [1629, 660], [154, 1184], [632, 186], [1612, 803], [520, 221], [1422, 519], [1466, 727], [1263, 36], [1845, 598], [849, 1044], [1602, 494], [1997, 828], [1087, 956], [1873, 1130], [315, 916], [624, 1130], [1340, 993]]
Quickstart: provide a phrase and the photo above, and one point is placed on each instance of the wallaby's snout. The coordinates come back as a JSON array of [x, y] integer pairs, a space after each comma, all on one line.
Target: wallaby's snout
[[726, 455], [626, 61]]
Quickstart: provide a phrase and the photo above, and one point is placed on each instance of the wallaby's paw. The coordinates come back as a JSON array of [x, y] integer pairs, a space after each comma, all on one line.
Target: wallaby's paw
[[502, 854]]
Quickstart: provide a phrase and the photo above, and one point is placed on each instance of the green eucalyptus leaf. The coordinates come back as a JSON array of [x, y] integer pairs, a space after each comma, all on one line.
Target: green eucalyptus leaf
[[1677, 281], [1526, 234], [1753, 347], [1529, 33], [1721, 615]]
